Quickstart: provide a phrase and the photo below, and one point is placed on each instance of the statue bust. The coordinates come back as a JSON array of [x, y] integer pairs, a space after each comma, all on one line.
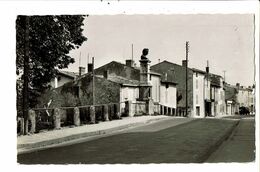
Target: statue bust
[[145, 53]]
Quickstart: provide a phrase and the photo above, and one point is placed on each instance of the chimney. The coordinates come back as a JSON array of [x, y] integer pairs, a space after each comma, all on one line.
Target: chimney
[[106, 73], [81, 70], [184, 63], [90, 67], [129, 63], [207, 68]]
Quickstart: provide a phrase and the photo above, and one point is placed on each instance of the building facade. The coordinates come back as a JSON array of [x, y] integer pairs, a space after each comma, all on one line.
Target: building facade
[[145, 90], [177, 73], [246, 97]]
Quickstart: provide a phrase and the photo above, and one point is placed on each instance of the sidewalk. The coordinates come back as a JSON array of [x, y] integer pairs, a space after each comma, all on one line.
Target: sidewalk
[[34, 141]]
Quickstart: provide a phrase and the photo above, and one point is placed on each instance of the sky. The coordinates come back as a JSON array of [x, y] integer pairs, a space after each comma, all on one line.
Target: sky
[[225, 40]]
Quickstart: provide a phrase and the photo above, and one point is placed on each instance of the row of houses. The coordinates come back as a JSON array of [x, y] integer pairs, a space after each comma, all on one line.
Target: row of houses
[[156, 89]]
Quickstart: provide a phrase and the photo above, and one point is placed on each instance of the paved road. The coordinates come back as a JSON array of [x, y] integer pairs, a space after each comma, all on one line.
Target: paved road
[[175, 140], [112, 149], [240, 146]]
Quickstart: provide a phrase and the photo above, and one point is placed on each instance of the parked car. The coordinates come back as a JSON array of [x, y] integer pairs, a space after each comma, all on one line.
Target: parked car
[[244, 111]]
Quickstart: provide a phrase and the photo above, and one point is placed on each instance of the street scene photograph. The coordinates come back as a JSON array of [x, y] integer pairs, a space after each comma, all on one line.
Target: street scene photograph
[[135, 89]]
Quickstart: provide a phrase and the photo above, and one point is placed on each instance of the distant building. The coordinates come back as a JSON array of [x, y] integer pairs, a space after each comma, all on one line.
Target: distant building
[[218, 105], [231, 99], [201, 93], [246, 97], [206, 95]]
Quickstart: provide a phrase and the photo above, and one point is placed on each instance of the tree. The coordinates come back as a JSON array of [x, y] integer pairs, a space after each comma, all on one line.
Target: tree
[[42, 45], [51, 38]]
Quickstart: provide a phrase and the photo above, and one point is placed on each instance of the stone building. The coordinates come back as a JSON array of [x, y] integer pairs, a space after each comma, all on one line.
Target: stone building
[[246, 97], [206, 95], [201, 93], [217, 95], [231, 99], [179, 73], [137, 90]]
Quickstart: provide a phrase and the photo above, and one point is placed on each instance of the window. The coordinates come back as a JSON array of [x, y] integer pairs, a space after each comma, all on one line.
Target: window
[[197, 84], [197, 99], [196, 74]]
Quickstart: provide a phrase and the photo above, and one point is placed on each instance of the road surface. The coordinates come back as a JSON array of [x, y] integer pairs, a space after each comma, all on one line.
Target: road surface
[[240, 146], [176, 140], [124, 147]]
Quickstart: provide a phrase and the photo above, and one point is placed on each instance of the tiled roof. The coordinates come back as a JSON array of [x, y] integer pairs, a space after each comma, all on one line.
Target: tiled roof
[[68, 73], [122, 80], [119, 69]]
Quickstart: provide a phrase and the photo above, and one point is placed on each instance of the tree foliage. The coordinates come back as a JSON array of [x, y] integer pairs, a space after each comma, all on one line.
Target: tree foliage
[[51, 38]]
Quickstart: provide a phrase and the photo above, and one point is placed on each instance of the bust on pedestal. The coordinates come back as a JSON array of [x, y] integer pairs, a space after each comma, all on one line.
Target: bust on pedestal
[[144, 90]]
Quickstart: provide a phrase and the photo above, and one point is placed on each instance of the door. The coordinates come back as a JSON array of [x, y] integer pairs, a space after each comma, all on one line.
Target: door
[[197, 110]]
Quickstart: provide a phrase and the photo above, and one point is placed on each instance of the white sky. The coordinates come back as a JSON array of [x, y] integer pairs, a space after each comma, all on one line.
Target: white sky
[[226, 40]]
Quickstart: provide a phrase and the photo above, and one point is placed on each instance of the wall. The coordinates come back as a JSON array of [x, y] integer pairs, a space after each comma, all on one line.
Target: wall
[[155, 82], [243, 97], [198, 95], [230, 107], [219, 104], [207, 89], [180, 73], [252, 101], [168, 95], [129, 93]]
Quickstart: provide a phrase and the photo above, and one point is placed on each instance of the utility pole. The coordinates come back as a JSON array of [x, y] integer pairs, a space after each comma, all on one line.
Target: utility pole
[[25, 76], [93, 80], [79, 59], [187, 54], [207, 72]]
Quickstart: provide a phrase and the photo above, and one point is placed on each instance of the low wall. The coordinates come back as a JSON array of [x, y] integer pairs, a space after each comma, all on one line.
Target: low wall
[[55, 118]]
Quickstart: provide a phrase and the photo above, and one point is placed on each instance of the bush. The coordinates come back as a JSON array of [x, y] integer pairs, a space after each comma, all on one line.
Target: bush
[[56, 99]]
